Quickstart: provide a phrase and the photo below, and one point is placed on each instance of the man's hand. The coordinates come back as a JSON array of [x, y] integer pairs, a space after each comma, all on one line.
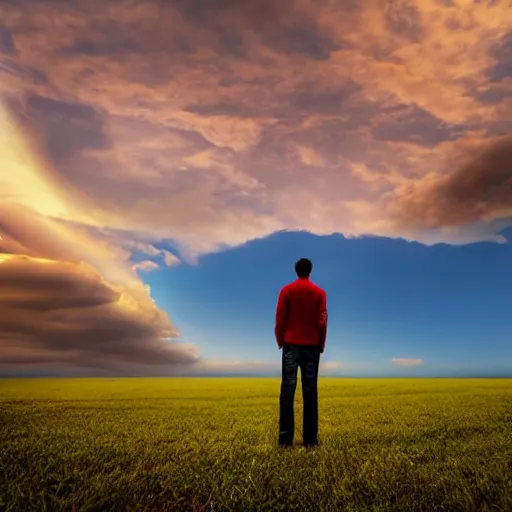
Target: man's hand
[[323, 324], [281, 317]]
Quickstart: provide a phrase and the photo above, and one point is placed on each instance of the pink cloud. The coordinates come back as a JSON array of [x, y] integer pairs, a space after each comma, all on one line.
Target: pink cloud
[[403, 362]]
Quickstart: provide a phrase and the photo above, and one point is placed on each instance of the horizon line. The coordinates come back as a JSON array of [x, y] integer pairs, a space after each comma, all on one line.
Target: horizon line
[[246, 376]]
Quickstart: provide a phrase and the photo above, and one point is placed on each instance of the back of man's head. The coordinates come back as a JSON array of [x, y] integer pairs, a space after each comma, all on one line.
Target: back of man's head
[[303, 267]]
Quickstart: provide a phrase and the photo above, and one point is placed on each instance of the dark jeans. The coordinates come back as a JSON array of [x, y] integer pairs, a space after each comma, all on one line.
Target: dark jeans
[[308, 358]]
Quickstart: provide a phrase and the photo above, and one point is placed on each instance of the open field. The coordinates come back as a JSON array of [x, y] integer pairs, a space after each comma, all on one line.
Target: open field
[[210, 444]]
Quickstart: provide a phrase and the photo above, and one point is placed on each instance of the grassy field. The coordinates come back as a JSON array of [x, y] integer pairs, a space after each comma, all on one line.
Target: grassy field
[[210, 444]]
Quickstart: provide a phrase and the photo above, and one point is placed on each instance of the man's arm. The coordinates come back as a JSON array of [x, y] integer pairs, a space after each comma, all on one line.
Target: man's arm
[[281, 316], [323, 321]]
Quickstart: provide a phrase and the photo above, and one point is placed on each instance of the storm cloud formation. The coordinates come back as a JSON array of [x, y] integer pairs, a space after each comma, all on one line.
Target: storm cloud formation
[[57, 309], [479, 191], [68, 297]]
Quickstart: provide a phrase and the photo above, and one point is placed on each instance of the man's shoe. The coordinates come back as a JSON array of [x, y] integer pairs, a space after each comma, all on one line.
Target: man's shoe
[[285, 439]]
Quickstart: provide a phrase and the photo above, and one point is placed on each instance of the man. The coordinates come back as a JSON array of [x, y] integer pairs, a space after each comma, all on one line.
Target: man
[[301, 331]]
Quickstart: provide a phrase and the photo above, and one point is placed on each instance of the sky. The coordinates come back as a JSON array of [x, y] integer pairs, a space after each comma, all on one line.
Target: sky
[[163, 164]]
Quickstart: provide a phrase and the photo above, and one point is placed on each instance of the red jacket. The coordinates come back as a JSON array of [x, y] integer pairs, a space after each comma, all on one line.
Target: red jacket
[[301, 314]]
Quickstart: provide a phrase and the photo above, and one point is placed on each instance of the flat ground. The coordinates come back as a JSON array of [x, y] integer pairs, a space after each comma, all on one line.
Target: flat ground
[[210, 444]]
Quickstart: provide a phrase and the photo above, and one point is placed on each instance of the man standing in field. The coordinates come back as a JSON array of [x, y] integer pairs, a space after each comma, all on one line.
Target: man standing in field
[[301, 331]]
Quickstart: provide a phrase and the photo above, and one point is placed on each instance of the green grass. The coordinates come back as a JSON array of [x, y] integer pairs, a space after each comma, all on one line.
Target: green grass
[[210, 444]]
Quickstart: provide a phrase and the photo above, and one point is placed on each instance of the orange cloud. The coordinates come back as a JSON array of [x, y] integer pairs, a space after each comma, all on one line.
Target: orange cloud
[[77, 315], [211, 156], [86, 305], [479, 190]]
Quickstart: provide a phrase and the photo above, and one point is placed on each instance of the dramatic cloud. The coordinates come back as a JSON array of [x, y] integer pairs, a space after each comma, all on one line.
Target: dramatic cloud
[[479, 191], [40, 284], [213, 123], [68, 297], [406, 363], [57, 308]]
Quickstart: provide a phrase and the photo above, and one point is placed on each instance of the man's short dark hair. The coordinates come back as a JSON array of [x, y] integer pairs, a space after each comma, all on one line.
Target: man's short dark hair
[[303, 267]]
